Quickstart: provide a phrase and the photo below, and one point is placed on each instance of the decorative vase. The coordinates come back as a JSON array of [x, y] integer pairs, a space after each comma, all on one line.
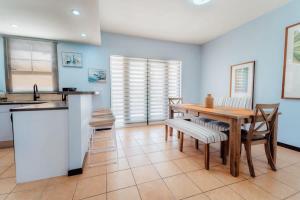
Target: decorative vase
[[209, 101]]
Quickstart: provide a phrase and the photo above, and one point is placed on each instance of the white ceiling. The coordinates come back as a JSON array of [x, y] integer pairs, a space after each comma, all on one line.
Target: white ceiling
[[51, 19], [180, 20]]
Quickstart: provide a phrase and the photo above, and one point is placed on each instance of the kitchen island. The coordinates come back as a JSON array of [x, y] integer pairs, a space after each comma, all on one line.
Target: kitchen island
[[51, 139]]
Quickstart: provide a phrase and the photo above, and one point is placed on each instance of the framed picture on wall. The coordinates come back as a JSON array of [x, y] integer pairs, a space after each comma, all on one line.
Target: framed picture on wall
[[72, 59], [291, 68], [97, 75], [242, 80]]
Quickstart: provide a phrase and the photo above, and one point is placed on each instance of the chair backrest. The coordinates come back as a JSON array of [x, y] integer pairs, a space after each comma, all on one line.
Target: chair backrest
[[264, 120], [235, 102], [175, 100]]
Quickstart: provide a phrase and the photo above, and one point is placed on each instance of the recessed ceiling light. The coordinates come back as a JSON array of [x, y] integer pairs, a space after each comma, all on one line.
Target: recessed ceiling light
[[83, 35], [14, 26], [200, 2], [75, 12]]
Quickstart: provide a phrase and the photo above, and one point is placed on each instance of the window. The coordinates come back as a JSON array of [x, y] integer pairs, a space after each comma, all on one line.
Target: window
[[31, 62], [140, 88]]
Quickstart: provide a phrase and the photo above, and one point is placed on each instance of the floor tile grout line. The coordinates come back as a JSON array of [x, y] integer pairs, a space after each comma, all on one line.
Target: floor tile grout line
[[135, 181], [175, 175], [268, 191], [276, 180], [164, 182], [172, 149], [280, 180], [292, 195]]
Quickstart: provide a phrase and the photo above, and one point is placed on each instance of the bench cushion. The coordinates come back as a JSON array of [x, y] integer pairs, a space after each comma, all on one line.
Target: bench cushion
[[201, 120], [202, 133], [213, 124], [233, 102]]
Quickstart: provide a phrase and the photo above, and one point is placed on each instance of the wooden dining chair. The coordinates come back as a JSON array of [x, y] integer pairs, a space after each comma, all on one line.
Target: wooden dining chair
[[261, 132], [174, 101]]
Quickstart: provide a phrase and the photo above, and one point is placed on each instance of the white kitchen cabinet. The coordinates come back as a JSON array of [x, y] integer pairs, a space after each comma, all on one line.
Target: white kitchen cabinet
[[6, 133], [5, 127]]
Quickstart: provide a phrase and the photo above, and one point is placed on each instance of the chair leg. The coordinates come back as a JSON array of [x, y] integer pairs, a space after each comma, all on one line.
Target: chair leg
[[181, 141], [222, 146], [224, 152], [269, 156], [178, 134], [241, 148], [249, 159], [166, 132], [171, 131], [196, 144], [206, 156], [225, 145]]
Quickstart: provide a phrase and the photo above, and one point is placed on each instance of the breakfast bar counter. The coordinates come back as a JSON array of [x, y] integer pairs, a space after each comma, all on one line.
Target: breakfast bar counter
[[51, 138]]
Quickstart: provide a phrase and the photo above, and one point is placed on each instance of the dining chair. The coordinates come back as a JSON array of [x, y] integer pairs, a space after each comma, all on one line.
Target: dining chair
[[261, 131], [177, 114], [175, 100]]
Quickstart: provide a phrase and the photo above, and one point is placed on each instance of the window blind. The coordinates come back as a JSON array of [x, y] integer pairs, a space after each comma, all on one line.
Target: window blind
[[140, 88], [128, 89], [31, 62], [164, 80]]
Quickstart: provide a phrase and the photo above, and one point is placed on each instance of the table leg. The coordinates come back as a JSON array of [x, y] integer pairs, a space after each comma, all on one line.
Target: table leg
[[274, 141], [171, 116], [235, 143]]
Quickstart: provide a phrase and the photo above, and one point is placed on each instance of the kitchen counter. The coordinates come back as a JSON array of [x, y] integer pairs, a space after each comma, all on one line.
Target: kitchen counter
[[42, 106], [56, 137], [58, 92], [78, 92], [20, 102]]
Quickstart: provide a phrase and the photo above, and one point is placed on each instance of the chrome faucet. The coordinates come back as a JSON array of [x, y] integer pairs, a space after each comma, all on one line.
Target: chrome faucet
[[36, 94]]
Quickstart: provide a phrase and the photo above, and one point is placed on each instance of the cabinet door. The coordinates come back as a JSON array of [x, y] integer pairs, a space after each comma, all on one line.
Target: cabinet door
[[5, 127]]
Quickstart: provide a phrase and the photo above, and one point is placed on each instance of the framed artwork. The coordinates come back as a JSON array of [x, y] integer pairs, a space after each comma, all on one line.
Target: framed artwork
[[291, 68], [242, 80], [97, 75], [71, 59]]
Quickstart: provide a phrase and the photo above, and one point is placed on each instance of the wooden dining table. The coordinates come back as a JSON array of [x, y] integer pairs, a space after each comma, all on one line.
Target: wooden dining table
[[235, 118]]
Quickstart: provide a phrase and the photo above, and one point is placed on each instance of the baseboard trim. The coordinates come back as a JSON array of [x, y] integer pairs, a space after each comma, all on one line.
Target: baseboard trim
[[6, 144], [288, 146], [78, 171], [103, 129], [75, 172]]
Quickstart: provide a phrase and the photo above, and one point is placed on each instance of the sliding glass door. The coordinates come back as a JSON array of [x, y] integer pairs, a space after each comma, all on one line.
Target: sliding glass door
[[140, 88]]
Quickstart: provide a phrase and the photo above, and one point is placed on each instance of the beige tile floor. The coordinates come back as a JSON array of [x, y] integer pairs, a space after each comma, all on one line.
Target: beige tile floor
[[149, 168]]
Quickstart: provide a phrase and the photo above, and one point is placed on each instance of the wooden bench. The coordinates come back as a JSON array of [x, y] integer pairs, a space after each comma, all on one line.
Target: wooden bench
[[200, 133]]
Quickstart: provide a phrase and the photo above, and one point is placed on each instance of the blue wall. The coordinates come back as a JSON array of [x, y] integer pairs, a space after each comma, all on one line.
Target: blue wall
[[115, 44], [261, 40]]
